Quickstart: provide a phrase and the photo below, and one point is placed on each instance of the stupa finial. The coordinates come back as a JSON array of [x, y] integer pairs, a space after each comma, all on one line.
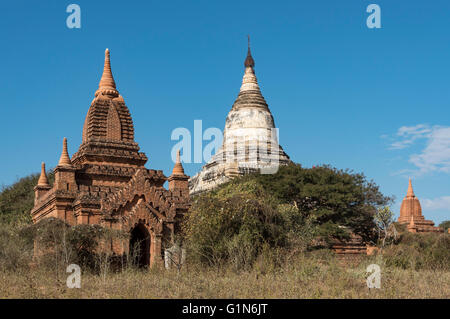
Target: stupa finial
[[249, 62], [178, 168], [410, 192], [107, 85], [64, 160], [43, 181]]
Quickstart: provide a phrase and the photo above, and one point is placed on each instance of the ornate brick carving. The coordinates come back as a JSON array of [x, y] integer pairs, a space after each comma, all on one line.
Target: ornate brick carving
[[411, 214], [106, 182]]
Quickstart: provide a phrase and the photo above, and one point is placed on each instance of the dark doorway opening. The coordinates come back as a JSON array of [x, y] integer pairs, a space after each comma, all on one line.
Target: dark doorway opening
[[140, 246]]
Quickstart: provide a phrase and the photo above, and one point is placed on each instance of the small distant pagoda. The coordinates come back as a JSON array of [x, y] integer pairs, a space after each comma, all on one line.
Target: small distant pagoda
[[411, 214], [105, 182], [250, 139]]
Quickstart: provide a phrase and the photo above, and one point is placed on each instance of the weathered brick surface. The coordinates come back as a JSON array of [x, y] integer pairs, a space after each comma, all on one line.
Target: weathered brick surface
[[105, 182], [411, 214]]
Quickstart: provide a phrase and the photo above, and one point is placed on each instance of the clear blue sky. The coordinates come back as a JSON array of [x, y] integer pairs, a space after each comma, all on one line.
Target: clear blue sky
[[373, 100]]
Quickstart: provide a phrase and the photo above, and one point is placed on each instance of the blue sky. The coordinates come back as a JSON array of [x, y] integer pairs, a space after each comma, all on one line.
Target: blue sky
[[373, 100]]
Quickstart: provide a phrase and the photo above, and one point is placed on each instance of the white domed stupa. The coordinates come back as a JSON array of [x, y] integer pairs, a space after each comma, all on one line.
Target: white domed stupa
[[250, 139]]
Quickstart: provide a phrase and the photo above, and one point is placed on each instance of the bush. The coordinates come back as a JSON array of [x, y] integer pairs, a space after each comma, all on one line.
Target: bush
[[429, 251], [16, 249], [234, 223], [445, 224], [330, 196], [17, 200], [295, 209], [59, 244]]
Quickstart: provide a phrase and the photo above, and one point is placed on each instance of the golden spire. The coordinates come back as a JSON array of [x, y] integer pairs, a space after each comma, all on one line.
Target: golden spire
[[43, 181], [107, 85], [178, 168], [64, 160], [410, 192]]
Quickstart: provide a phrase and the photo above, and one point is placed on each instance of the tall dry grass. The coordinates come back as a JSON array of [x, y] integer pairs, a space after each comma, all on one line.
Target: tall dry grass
[[303, 277]]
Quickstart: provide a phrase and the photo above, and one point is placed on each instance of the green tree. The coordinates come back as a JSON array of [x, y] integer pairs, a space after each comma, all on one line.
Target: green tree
[[17, 200], [445, 224], [384, 218], [330, 196]]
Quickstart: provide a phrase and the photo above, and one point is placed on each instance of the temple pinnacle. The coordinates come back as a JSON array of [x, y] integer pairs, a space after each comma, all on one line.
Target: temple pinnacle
[[43, 181], [249, 62], [178, 168], [107, 85], [410, 192], [64, 160]]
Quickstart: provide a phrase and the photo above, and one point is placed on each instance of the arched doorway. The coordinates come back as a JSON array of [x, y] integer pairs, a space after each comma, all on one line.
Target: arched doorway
[[140, 246]]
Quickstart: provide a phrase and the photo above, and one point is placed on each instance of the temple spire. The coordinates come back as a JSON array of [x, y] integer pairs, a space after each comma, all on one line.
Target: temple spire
[[107, 85], [249, 81], [410, 192], [178, 168], [43, 181], [64, 160], [249, 62]]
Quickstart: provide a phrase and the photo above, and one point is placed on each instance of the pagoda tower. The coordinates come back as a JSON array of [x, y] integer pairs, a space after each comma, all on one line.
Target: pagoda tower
[[250, 139], [411, 214], [106, 183]]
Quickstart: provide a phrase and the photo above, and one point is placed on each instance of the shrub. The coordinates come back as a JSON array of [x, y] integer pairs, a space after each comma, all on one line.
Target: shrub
[[17, 200], [58, 244], [330, 197], [420, 251], [445, 224], [16, 250], [234, 223]]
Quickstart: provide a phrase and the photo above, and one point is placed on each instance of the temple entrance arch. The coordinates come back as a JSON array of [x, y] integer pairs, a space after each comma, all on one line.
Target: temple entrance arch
[[139, 248]]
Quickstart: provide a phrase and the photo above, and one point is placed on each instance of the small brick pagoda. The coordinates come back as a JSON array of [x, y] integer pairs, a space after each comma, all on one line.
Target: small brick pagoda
[[411, 214], [105, 182]]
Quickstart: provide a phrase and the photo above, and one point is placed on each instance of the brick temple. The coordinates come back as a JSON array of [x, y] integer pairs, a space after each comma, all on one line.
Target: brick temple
[[411, 214], [105, 182]]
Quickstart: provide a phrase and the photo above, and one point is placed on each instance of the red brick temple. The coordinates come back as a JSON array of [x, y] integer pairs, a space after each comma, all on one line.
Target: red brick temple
[[411, 214], [105, 182]]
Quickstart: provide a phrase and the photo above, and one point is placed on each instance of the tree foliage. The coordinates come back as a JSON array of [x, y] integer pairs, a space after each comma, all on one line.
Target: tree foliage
[[332, 197], [296, 207], [445, 224], [17, 200]]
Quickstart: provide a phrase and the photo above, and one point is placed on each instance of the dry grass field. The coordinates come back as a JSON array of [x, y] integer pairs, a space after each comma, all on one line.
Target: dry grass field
[[304, 277]]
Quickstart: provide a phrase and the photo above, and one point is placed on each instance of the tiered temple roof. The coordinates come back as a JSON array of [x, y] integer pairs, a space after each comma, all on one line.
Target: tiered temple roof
[[105, 182], [411, 214]]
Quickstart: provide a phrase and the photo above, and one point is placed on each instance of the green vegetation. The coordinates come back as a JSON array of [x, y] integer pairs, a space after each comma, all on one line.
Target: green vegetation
[[304, 276], [427, 251], [259, 236], [445, 224], [295, 209], [16, 201]]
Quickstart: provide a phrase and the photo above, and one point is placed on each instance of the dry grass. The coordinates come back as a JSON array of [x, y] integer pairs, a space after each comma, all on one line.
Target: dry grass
[[307, 277]]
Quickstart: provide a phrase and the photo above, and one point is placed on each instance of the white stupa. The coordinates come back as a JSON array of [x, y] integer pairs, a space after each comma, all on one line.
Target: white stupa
[[250, 142]]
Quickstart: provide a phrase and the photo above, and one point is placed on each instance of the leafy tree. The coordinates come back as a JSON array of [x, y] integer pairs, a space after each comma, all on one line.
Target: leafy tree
[[17, 200], [384, 219], [332, 197], [445, 224], [231, 224], [295, 208]]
